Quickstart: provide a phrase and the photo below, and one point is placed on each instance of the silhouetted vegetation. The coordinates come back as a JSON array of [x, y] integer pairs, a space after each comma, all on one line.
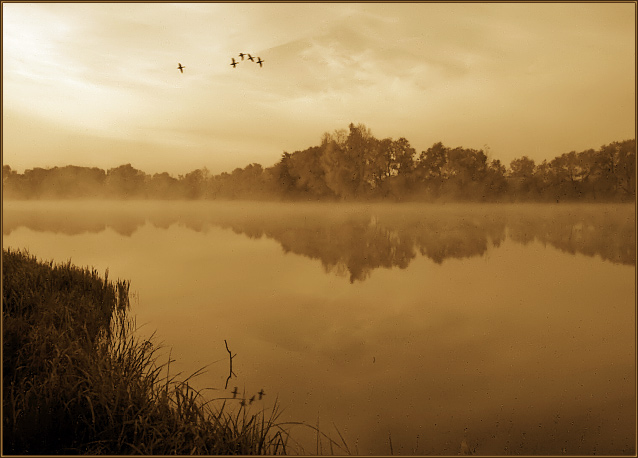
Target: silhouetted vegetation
[[76, 379], [354, 165]]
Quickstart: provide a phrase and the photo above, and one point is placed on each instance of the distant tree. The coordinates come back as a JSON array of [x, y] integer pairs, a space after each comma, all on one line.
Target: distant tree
[[432, 161], [522, 168], [360, 147], [11, 183], [458, 173], [125, 182], [495, 183], [380, 163], [309, 175], [428, 170], [389, 166], [195, 184], [344, 159], [402, 158], [285, 179], [617, 169], [164, 186], [73, 182], [544, 179], [220, 186], [521, 178], [465, 171], [626, 168], [252, 179], [246, 183], [586, 170], [352, 164], [567, 176], [272, 189], [32, 182], [7, 173]]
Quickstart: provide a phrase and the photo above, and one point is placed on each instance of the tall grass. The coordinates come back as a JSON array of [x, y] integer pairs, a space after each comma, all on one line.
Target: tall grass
[[77, 379]]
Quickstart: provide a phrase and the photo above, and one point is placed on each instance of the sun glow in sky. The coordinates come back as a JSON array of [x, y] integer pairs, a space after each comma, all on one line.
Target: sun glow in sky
[[97, 84]]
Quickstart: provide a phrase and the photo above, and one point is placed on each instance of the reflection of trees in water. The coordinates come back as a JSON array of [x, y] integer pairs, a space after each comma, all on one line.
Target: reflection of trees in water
[[453, 238], [592, 231], [353, 246], [355, 241], [68, 220], [356, 248]]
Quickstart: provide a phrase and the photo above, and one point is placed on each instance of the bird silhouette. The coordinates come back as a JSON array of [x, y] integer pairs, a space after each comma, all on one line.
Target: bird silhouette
[[235, 391], [241, 54], [261, 393], [252, 399], [259, 61], [233, 63], [180, 68], [250, 58]]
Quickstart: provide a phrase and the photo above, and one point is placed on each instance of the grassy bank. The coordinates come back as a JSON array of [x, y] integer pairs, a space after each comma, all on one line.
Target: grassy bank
[[78, 380]]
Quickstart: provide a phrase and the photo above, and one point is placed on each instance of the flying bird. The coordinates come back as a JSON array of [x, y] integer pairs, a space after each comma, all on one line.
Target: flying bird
[[235, 391], [261, 393], [241, 54], [180, 68], [233, 63], [259, 61], [250, 58]]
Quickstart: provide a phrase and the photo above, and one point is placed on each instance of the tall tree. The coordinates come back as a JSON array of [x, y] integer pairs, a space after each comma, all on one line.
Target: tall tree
[[309, 175], [164, 186], [495, 184], [429, 169], [389, 166], [521, 177], [195, 184], [465, 171], [345, 159], [617, 167], [125, 181]]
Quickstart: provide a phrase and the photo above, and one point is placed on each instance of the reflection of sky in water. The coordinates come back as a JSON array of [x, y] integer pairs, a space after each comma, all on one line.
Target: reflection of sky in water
[[499, 338]]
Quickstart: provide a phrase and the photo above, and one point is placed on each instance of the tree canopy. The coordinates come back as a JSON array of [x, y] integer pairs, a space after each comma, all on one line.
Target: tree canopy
[[351, 164]]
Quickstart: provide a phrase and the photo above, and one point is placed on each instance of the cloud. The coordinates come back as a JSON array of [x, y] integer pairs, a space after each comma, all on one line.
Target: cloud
[[523, 76]]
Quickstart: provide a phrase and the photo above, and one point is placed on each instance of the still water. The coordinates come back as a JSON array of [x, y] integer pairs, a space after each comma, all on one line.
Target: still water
[[410, 328]]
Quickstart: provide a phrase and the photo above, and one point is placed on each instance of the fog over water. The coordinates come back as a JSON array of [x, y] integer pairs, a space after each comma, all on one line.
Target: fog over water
[[357, 237], [511, 327]]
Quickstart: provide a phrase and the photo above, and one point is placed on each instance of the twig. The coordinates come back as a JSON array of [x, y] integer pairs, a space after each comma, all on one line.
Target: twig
[[230, 358]]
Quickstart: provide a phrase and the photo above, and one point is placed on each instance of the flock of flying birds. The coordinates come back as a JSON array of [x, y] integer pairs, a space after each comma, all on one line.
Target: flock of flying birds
[[234, 63], [250, 58]]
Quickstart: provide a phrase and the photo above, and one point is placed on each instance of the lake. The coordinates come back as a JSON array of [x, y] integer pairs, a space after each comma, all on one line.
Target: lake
[[410, 328]]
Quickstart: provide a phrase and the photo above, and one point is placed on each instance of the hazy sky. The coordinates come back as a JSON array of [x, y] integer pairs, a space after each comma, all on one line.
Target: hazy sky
[[97, 84]]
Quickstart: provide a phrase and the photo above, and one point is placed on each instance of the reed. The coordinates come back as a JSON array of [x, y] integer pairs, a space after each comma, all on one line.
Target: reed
[[77, 378]]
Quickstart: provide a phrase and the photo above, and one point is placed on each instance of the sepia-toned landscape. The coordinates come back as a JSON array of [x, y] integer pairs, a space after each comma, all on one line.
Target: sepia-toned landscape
[[319, 229]]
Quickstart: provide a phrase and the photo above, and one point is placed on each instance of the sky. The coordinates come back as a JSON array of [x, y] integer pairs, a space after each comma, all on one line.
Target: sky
[[97, 84]]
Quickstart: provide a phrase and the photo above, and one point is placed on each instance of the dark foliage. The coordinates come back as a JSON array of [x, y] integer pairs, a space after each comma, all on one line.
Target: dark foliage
[[354, 165]]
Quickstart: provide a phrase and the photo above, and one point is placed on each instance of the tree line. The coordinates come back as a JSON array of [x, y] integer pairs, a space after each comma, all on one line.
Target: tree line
[[351, 164]]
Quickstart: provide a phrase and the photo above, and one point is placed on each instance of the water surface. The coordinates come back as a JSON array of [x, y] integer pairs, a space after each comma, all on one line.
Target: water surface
[[511, 327]]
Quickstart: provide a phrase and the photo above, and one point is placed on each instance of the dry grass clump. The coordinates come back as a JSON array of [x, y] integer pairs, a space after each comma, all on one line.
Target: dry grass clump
[[78, 380]]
